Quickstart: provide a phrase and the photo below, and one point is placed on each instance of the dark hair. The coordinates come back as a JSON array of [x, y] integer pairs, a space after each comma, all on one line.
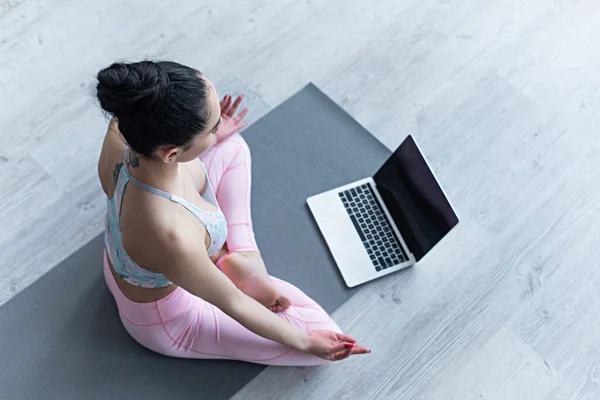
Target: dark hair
[[155, 103]]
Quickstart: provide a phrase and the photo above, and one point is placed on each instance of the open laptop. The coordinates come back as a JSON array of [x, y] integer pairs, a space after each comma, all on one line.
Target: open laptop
[[379, 225]]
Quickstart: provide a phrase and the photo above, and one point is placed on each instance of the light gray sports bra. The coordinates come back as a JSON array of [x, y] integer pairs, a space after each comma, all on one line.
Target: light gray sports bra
[[127, 269]]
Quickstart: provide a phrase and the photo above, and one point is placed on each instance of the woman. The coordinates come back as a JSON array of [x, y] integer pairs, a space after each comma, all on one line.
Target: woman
[[180, 256]]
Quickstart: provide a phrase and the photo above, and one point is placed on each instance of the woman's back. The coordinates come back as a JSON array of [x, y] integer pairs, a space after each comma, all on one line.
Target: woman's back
[[143, 217]]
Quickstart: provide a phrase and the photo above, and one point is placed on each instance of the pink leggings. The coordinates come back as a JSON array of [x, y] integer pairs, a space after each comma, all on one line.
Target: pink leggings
[[183, 325]]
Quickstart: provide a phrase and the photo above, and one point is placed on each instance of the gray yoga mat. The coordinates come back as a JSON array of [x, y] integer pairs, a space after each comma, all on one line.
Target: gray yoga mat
[[70, 344]]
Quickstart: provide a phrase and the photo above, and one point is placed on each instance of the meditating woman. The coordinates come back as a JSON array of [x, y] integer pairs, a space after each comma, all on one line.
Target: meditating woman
[[180, 255]]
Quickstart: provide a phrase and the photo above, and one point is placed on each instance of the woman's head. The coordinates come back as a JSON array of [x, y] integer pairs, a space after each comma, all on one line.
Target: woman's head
[[165, 110]]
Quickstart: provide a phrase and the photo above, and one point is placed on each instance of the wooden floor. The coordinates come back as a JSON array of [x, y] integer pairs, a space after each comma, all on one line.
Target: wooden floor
[[503, 95]]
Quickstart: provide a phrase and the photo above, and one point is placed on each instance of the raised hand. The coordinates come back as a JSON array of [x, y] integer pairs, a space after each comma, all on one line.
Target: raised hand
[[230, 124]]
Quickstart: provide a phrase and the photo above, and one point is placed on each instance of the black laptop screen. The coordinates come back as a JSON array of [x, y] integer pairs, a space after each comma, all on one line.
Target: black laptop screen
[[414, 198]]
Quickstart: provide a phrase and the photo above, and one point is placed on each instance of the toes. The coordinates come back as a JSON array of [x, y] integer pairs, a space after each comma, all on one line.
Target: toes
[[276, 308], [284, 302]]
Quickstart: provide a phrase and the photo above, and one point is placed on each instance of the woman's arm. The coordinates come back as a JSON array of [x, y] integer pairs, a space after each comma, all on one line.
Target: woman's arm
[[190, 268]]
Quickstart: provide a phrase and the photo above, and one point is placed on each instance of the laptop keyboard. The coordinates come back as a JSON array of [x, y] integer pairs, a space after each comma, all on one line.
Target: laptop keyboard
[[373, 227]]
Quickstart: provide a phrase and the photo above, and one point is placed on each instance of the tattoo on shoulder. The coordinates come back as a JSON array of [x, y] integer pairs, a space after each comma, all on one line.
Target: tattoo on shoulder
[[116, 172], [133, 160]]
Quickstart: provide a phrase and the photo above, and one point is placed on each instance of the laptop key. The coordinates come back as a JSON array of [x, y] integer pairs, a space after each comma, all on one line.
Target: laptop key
[[377, 268]]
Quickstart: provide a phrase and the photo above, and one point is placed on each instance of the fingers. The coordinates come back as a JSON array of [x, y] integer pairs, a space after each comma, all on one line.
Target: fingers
[[223, 102], [358, 349], [229, 110], [241, 115], [238, 127], [341, 355], [336, 348], [346, 338], [235, 105]]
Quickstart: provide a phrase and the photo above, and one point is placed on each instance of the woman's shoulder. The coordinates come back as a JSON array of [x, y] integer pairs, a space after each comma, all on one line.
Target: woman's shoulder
[[151, 231], [111, 158]]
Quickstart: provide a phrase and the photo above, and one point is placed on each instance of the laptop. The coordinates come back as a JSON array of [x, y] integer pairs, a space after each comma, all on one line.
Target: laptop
[[376, 226]]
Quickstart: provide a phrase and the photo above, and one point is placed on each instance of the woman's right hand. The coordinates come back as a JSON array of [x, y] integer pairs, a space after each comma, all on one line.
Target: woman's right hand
[[230, 124], [333, 346]]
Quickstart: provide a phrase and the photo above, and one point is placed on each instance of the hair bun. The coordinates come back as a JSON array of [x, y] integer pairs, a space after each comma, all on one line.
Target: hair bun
[[137, 88]]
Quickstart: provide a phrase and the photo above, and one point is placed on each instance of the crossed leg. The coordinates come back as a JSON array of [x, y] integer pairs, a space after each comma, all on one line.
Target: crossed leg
[[228, 165]]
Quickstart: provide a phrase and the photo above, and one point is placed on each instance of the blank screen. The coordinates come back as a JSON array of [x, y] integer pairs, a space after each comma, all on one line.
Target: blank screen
[[414, 198]]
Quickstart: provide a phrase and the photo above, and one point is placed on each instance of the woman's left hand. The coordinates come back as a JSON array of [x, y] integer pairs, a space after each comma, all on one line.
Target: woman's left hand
[[230, 124]]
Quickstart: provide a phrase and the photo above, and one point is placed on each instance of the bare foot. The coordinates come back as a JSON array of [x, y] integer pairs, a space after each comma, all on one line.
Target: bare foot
[[248, 272], [262, 289]]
